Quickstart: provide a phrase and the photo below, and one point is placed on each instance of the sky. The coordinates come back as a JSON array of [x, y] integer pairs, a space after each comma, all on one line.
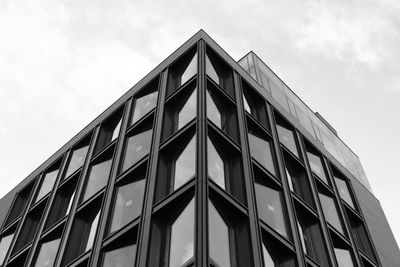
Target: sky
[[63, 62]]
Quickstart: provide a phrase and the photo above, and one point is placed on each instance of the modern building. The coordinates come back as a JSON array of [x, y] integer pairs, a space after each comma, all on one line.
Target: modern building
[[204, 162]]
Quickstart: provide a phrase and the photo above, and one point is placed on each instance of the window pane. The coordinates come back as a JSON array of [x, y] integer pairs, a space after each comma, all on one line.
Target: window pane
[[121, 257], [286, 136], [343, 257], [211, 71], [77, 159], [218, 237], [215, 165], [116, 131], [190, 71], [316, 166], [188, 112], [182, 234], [268, 261], [128, 204], [143, 105], [47, 253], [260, 149], [47, 184], [4, 246], [330, 211], [246, 105], [213, 113], [270, 210], [185, 165], [344, 191], [92, 233], [98, 178], [137, 147]]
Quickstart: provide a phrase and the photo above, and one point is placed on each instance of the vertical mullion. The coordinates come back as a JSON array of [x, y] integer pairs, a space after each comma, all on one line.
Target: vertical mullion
[[105, 210], [314, 191], [286, 190], [248, 179], [46, 211], [143, 242], [81, 182]]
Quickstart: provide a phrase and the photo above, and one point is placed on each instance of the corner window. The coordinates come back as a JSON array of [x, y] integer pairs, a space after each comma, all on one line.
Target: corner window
[[182, 71], [185, 165], [218, 237], [215, 165]]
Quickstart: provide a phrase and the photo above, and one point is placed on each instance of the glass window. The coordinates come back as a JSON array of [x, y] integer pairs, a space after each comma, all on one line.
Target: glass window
[[190, 70], [213, 113], [182, 236], [109, 131], [269, 203], [330, 211], [287, 138], [260, 150], [343, 257], [128, 204], [188, 111], [47, 184], [344, 191], [20, 203], [98, 177], [4, 246], [185, 165], [218, 237], [120, 257], [268, 261], [137, 147], [316, 165], [143, 105], [77, 159], [246, 105], [92, 232], [211, 71], [47, 253], [215, 165]]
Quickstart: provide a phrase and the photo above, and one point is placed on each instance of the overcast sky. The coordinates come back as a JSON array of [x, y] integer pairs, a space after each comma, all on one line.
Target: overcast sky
[[64, 62]]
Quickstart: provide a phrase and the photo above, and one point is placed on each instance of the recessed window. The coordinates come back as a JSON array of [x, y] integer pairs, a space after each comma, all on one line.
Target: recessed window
[[344, 191], [182, 237], [215, 165], [5, 243], [20, 203], [128, 203], [143, 105], [218, 233], [275, 254], [316, 165], [120, 257], [109, 131], [47, 253], [255, 105], [182, 71], [188, 111], [210, 69], [343, 257], [330, 211], [213, 113], [260, 150], [190, 70], [99, 173], [185, 165], [47, 184], [287, 136], [137, 146], [270, 207], [77, 158]]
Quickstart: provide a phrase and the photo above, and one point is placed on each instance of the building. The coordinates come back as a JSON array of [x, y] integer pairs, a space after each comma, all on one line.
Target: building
[[201, 163]]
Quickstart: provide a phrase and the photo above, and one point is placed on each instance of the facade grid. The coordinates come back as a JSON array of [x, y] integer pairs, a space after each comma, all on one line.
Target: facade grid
[[196, 165]]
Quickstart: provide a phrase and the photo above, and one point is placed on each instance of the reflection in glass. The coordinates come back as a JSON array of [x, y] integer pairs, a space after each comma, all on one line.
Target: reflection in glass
[[185, 165], [270, 210], [182, 233], [188, 111], [343, 257], [344, 191], [268, 261], [77, 160], [287, 137], [128, 204], [143, 105], [260, 149], [47, 184], [136, 148], [120, 257], [116, 131], [330, 211], [211, 71], [47, 253], [316, 166], [4, 246], [98, 177], [213, 113], [215, 165], [190, 71], [109, 131], [246, 105], [92, 233], [218, 237]]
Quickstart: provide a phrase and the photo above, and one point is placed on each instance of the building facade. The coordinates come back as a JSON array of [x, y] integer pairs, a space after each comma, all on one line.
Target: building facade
[[204, 162]]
